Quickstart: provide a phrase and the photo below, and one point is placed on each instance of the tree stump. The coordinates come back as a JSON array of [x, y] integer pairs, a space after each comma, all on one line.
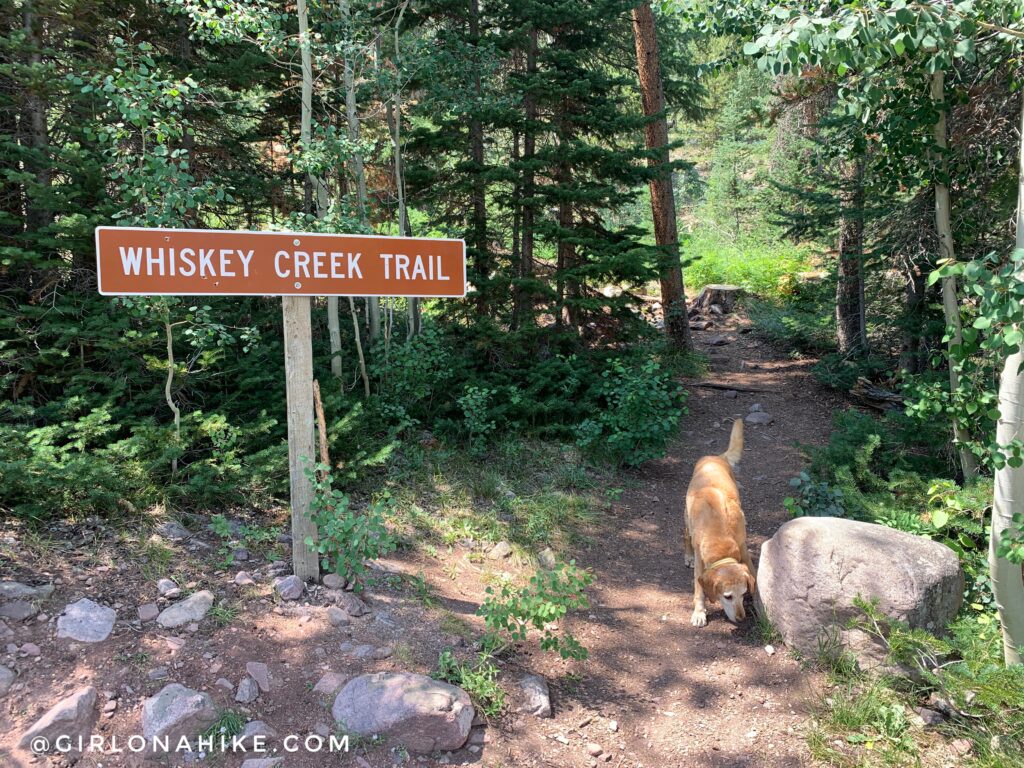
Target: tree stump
[[723, 296]]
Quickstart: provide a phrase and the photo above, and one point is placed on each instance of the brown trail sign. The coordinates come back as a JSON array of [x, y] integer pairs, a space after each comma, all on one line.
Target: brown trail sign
[[294, 265]]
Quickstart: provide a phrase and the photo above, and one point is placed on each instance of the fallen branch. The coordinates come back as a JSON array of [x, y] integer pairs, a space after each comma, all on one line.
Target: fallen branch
[[709, 385]]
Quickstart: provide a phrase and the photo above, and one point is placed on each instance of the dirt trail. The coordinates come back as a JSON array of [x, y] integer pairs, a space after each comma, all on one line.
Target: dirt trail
[[684, 696]]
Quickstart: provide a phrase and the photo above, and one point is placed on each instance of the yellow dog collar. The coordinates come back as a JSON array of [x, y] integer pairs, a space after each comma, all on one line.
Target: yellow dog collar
[[723, 561]]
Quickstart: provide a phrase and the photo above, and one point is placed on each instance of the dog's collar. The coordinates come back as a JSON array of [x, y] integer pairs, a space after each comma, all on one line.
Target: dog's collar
[[723, 561]]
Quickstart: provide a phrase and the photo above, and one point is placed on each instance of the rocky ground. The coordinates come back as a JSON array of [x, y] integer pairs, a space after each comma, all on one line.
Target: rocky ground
[[128, 634]]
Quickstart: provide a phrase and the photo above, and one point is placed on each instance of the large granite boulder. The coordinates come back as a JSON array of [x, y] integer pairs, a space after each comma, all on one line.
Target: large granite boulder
[[411, 711], [813, 568]]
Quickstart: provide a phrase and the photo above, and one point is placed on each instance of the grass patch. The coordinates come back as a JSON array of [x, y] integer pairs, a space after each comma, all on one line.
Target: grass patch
[[223, 614], [531, 494], [762, 268], [479, 679]]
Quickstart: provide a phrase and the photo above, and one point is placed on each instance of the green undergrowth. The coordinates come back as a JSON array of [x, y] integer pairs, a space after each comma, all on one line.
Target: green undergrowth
[[762, 266]]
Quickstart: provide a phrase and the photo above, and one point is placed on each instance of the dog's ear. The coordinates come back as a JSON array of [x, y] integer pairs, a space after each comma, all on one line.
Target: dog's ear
[[751, 581], [709, 581]]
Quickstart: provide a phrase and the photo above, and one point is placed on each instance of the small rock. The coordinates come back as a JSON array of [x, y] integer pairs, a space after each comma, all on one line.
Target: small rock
[[15, 590], [86, 622], [173, 530], [384, 652], [148, 612], [240, 555], [536, 696], [243, 579], [718, 340], [110, 707], [731, 394], [363, 651], [546, 558], [264, 762], [770, 650], [168, 589], [331, 683], [500, 551], [333, 581], [256, 735], [352, 605], [223, 682], [30, 649], [176, 712], [18, 610], [756, 408], [258, 671], [759, 417], [248, 691], [6, 679], [159, 673], [289, 587], [338, 617], [930, 716], [613, 726], [193, 608], [594, 750], [72, 717], [961, 747]]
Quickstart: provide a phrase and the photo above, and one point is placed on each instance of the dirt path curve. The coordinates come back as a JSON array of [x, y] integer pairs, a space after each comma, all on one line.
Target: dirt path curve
[[684, 696]]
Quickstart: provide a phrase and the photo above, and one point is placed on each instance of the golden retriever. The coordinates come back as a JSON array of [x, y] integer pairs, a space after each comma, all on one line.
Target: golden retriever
[[715, 531]]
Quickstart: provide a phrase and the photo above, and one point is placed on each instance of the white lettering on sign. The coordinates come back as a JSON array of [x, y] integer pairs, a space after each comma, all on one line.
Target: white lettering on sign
[[170, 261], [423, 267], [319, 264]]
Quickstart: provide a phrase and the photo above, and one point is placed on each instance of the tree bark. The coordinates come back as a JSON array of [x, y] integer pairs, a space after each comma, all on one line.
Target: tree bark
[[851, 333], [663, 204], [37, 207], [481, 254], [524, 294], [950, 306], [1007, 580]]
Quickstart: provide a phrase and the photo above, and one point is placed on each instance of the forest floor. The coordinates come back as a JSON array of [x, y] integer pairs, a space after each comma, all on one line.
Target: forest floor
[[654, 692]]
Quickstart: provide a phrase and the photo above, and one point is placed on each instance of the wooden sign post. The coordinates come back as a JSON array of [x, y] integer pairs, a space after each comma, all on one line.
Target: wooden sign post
[[205, 262]]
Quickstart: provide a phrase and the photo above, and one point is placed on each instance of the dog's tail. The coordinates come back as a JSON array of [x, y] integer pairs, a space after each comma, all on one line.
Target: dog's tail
[[735, 450]]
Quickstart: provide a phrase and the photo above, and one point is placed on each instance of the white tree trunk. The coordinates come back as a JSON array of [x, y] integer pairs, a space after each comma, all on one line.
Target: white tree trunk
[[358, 167], [1007, 580], [950, 306], [319, 186], [169, 334]]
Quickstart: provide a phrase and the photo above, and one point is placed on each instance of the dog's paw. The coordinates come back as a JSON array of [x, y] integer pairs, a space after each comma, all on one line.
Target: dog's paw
[[699, 618], [688, 560]]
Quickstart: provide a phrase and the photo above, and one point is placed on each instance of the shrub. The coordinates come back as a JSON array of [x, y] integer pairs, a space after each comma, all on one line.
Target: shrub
[[479, 680], [475, 404], [640, 410], [347, 539], [549, 596], [816, 499]]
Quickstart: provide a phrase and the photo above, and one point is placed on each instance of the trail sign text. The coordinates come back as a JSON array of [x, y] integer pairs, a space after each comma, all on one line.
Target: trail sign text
[[191, 262]]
